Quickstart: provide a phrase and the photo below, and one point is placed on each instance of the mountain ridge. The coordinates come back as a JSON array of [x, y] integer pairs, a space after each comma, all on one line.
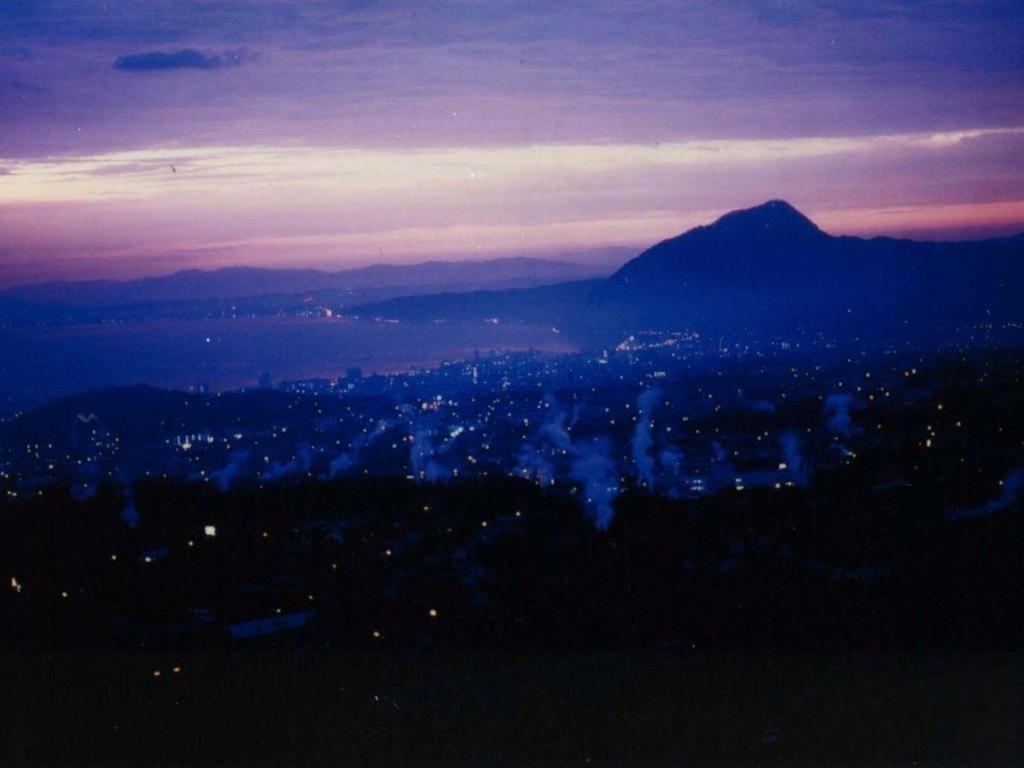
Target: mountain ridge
[[247, 281], [768, 267]]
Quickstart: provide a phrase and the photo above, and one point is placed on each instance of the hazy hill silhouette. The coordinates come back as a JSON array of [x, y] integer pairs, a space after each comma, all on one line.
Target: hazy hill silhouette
[[771, 268], [240, 282]]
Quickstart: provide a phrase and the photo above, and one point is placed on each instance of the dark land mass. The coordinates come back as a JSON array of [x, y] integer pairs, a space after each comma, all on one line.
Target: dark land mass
[[247, 291], [771, 268], [623, 708], [872, 615]]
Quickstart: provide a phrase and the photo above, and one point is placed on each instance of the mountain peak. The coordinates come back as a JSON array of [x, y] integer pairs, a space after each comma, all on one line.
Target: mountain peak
[[737, 247], [773, 218]]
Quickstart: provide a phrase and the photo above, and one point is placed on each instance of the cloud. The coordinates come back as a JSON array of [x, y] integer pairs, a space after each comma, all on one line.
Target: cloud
[[232, 471], [22, 88], [643, 439], [1013, 486], [792, 456], [438, 201], [350, 458], [129, 513], [837, 413], [594, 468], [297, 465], [515, 71], [186, 58], [424, 461]]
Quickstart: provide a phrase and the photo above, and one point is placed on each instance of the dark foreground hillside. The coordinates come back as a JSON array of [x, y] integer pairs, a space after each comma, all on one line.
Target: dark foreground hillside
[[359, 565], [871, 613], [727, 631], [627, 708]]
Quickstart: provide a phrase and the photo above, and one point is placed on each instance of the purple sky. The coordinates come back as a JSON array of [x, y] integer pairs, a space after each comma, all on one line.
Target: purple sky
[[334, 134]]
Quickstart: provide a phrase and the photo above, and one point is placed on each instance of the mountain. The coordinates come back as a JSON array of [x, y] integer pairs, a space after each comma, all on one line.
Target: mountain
[[772, 240], [242, 282], [766, 268]]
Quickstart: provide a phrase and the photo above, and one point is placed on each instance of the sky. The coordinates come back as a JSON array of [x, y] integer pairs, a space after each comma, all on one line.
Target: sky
[[145, 137]]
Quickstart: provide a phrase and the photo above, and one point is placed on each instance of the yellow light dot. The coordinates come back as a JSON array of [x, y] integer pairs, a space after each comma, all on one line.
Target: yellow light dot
[[433, 613], [156, 673], [175, 670], [376, 634]]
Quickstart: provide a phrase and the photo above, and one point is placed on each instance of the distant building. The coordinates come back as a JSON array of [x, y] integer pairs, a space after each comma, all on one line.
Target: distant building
[[354, 373]]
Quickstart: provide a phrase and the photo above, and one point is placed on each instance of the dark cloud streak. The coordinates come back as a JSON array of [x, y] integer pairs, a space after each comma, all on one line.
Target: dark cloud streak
[[186, 58]]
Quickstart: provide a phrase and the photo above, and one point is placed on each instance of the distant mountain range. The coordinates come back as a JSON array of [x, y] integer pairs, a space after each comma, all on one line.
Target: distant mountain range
[[762, 269], [765, 268], [250, 291], [243, 282]]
